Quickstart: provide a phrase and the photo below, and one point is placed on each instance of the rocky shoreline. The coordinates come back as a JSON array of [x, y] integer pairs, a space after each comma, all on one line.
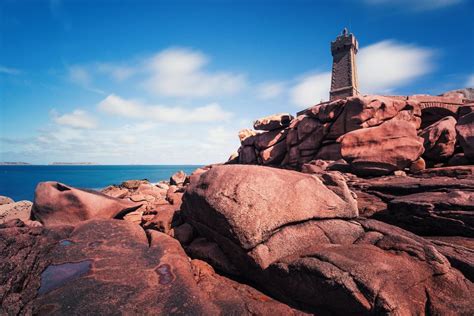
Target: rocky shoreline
[[359, 206]]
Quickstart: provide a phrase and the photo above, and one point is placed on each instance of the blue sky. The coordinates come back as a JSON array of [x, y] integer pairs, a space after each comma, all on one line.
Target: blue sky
[[171, 82]]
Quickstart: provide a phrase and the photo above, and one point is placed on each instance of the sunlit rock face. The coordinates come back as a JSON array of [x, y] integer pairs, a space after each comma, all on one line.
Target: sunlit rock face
[[376, 135]]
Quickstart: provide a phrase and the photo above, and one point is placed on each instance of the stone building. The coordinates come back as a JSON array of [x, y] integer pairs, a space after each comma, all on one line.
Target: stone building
[[344, 71]]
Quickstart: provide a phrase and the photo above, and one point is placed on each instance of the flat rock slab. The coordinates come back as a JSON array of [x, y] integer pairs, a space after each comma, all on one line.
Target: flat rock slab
[[112, 267], [385, 271], [439, 205]]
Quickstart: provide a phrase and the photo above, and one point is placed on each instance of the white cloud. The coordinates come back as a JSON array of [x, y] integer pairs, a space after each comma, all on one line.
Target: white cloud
[[416, 5], [470, 81], [77, 119], [135, 109], [387, 65], [118, 72], [81, 76], [311, 89], [142, 142], [270, 90], [179, 72], [9, 71]]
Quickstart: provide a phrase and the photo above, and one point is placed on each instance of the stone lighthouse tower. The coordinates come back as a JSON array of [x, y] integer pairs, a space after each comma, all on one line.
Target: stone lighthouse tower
[[344, 71]]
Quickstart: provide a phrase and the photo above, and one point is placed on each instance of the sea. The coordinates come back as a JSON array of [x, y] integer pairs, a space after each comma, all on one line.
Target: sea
[[19, 181]]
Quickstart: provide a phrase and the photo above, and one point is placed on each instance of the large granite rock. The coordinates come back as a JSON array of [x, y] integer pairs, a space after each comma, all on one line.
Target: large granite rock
[[5, 200], [24, 255], [178, 178], [15, 210], [380, 150], [365, 267], [273, 122], [112, 267], [459, 251], [435, 213], [465, 130], [366, 111], [252, 206], [59, 204], [440, 139]]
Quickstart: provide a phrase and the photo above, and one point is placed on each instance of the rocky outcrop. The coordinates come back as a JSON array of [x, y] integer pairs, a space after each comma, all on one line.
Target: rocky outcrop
[[178, 178], [337, 238], [81, 271], [273, 122], [465, 129], [315, 133], [377, 135], [440, 139], [378, 270], [380, 150], [334, 264], [429, 205], [5, 200], [459, 251], [24, 255], [58, 204], [303, 238], [15, 210]]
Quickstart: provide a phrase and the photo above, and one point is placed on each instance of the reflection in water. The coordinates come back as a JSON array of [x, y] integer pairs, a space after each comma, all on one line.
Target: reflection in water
[[55, 276], [165, 274], [66, 242]]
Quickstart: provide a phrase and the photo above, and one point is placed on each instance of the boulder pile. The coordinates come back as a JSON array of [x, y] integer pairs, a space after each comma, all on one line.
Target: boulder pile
[[375, 135], [361, 206]]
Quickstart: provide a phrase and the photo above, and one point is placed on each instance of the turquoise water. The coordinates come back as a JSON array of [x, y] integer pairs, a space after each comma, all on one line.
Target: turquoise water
[[19, 182]]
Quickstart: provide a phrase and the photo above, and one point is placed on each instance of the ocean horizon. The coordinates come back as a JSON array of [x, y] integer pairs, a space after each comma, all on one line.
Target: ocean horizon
[[19, 181]]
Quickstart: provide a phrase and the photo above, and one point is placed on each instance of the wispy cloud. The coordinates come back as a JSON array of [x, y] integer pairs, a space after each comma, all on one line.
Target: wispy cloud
[[387, 65], [142, 142], [116, 105], [77, 119], [311, 89], [415, 5], [179, 72], [270, 90], [81, 76], [172, 73], [470, 81], [9, 71], [117, 72]]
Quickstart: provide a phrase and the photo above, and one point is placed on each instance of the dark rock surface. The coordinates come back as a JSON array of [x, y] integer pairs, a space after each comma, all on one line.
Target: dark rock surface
[[113, 267], [429, 205]]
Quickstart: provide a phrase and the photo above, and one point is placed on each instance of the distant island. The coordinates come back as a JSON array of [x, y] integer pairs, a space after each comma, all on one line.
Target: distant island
[[13, 163], [73, 163]]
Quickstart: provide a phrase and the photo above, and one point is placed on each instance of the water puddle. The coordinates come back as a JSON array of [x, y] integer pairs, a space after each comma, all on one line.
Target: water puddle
[[66, 242], [165, 274], [55, 276]]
